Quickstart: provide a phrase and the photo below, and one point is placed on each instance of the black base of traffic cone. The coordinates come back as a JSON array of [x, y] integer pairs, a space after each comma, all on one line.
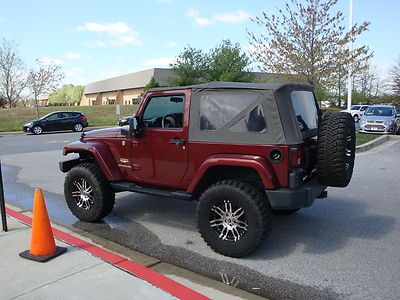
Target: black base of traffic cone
[[42, 258]]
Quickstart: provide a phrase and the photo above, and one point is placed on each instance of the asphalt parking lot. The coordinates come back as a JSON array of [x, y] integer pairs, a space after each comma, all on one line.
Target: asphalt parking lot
[[343, 246]]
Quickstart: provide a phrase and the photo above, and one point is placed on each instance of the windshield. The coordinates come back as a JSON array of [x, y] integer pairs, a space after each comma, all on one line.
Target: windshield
[[379, 111], [306, 109]]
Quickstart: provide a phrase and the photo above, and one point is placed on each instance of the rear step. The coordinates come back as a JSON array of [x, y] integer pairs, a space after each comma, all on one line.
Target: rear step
[[123, 186]]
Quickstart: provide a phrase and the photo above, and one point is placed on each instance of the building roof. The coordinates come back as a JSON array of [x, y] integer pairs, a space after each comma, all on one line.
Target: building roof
[[235, 85], [129, 81]]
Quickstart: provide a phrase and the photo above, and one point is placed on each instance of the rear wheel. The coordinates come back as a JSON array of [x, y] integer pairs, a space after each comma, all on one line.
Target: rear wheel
[[37, 129], [336, 149], [88, 194], [233, 217], [78, 127]]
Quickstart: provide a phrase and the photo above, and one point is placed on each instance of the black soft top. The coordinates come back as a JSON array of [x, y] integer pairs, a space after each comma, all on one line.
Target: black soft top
[[236, 85]]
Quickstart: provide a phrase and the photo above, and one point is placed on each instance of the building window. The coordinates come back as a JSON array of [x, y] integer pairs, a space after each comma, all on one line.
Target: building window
[[93, 102], [110, 101]]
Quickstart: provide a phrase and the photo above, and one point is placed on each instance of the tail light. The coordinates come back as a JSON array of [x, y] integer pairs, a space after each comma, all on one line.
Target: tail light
[[84, 118], [295, 154]]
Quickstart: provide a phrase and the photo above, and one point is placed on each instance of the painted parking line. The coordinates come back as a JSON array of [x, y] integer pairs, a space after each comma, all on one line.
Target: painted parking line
[[168, 285]]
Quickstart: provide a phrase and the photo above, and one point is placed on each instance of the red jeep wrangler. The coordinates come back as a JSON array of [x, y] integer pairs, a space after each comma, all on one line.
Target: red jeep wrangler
[[243, 150]]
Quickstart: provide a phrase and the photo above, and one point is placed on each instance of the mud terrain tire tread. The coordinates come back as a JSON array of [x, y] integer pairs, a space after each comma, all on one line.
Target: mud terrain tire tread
[[257, 211], [332, 143]]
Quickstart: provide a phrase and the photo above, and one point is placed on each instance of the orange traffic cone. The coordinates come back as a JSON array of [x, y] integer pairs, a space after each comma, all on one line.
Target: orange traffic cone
[[43, 247]]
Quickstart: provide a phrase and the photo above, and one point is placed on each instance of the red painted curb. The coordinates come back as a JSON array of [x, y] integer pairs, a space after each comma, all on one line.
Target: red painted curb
[[168, 285]]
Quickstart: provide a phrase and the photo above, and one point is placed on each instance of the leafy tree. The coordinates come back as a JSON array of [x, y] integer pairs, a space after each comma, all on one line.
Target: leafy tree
[[395, 78], [44, 80], [308, 39], [67, 94], [226, 62], [12, 73], [190, 67], [152, 84]]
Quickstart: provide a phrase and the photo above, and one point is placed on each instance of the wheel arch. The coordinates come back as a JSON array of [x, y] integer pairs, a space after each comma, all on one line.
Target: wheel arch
[[255, 170], [94, 152]]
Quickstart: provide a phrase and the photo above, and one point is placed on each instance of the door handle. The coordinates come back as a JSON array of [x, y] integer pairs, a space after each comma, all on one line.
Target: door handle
[[177, 141]]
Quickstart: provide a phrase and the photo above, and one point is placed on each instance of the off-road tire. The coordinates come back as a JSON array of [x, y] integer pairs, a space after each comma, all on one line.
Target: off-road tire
[[102, 193], [256, 211], [336, 149]]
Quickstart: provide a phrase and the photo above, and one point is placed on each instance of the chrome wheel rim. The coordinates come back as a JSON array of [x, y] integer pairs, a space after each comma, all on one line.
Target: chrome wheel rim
[[78, 127], [37, 130], [83, 194], [228, 221]]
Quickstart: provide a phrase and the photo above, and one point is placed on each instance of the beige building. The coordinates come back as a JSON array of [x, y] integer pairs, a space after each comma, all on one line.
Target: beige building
[[125, 89]]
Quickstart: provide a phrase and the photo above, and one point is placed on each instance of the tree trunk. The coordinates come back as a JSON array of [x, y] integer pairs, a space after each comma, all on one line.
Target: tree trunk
[[37, 108]]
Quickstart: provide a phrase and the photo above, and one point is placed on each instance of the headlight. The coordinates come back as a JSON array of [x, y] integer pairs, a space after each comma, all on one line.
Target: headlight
[[28, 124], [363, 122], [388, 122]]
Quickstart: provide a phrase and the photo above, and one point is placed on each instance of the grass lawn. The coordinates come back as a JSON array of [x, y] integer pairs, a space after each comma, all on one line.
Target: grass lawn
[[362, 138], [13, 119]]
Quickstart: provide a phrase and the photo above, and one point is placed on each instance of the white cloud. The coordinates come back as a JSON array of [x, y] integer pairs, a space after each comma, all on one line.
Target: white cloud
[[171, 44], [194, 14], [233, 17], [72, 55], [51, 60], [117, 34], [73, 72], [227, 18], [159, 62]]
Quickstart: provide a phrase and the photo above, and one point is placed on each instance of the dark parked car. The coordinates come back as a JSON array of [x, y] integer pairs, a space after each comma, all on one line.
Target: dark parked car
[[60, 120]]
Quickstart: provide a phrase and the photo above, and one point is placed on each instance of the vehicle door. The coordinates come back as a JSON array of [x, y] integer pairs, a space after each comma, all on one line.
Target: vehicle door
[[160, 153], [67, 120], [51, 123]]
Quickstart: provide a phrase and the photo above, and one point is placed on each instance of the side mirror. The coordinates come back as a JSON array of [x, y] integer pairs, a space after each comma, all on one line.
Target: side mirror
[[135, 126]]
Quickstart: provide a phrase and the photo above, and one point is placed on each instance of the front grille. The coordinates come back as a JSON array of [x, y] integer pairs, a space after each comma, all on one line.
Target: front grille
[[379, 127]]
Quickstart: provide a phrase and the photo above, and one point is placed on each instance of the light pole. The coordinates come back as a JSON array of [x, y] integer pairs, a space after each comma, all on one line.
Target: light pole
[[350, 79]]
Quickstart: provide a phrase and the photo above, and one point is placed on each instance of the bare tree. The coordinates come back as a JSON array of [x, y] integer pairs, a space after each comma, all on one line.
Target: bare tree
[[395, 78], [12, 73], [367, 82], [44, 80], [307, 39]]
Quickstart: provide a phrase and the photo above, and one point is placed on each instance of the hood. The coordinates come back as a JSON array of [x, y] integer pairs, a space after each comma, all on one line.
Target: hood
[[102, 133], [377, 118]]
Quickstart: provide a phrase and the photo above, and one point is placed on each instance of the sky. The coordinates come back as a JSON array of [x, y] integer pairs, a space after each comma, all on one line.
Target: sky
[[95, 40]]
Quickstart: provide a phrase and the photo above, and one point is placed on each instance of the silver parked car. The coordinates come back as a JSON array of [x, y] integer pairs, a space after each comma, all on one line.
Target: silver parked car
[[380, 119]]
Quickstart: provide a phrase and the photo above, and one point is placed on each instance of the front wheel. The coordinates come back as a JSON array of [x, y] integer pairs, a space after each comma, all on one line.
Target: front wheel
[[233, 217], [88, 194], [37, 130]]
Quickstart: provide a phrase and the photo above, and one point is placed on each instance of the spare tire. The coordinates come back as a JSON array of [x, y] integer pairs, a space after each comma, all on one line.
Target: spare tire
[[336, 149]]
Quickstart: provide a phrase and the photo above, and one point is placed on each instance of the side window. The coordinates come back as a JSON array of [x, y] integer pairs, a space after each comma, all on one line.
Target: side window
[[164, 112], [254, 121], [217, 109], [53, 117]]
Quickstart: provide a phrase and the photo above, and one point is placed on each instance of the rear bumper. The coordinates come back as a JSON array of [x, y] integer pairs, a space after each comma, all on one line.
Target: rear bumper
[[302, 196]]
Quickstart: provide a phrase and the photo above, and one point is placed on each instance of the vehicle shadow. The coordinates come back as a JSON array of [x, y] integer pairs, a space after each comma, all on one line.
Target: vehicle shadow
[[325, 227]]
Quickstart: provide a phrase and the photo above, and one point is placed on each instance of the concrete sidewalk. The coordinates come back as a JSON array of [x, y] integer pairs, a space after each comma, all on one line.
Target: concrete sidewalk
[[73, 275], [90, 269]]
